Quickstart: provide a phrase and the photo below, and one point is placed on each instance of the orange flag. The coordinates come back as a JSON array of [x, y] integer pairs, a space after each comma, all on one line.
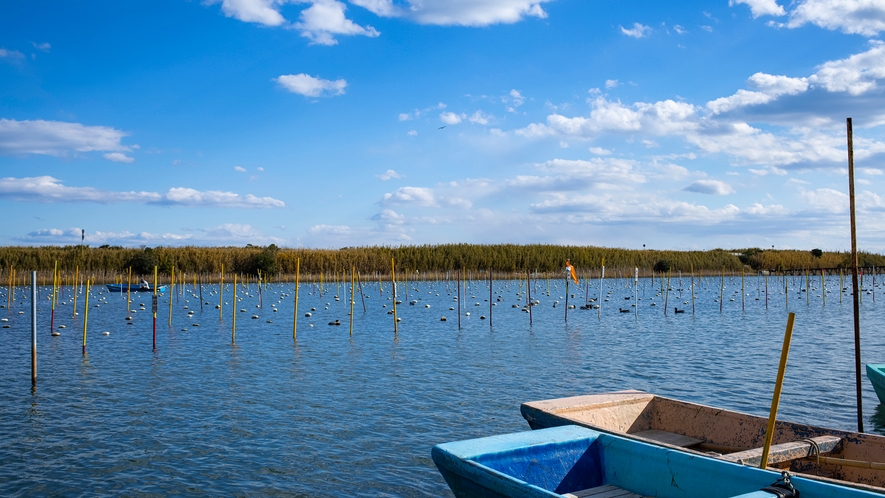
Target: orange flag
[[571, 271]]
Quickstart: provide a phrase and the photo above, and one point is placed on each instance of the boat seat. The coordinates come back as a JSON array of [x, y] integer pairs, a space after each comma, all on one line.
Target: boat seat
[[784, 452], [606, 491], [670, 438]]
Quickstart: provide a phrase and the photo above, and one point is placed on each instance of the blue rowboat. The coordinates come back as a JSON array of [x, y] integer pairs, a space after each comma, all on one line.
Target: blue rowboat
[[876, 374], [122, 288], [575, 462]]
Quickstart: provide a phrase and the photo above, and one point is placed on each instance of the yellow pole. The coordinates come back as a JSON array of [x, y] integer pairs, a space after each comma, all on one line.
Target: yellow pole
[[775, 400], [297, 282], [393, 286], [85, 317], [233, 331], [171, 292], [221, 292], [76, 279], [352, 282]]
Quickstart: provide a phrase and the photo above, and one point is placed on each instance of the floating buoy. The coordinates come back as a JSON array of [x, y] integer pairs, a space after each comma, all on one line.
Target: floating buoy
[[62, 326], [4, 319], [336, 322], [105, 333], [275, 310], [129, 323], [54, 334], [442, 319], [482, 317], [243, 310], [269, 321], [216, 306], [254, 317], [451, 309], [195, 325], [426, 305], [184, 329], [308, 315], [468, 313], [7, 326], [399, 319]]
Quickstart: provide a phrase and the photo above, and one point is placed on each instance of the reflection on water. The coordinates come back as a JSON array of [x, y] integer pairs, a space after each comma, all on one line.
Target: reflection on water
[[334, 412]]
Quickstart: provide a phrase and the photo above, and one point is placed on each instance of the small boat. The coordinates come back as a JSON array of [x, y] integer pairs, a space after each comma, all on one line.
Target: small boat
[[576, 462], [122, 288], [846, 458], [876, 374]]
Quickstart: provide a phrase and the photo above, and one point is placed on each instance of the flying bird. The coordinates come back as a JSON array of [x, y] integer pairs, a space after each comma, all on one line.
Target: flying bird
[[441, 127]]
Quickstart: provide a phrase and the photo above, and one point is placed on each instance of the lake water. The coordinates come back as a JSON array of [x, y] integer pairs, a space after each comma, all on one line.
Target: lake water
[[333, 414]]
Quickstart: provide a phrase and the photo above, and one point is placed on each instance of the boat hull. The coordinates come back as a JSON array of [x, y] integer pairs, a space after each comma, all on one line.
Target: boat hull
[[574, 461], [700, 429], [876, 374]]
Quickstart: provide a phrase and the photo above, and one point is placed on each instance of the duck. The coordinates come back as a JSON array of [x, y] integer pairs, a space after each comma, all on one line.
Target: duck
[[677, 310]]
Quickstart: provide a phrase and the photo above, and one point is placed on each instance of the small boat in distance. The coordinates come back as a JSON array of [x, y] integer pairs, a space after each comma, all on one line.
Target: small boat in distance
[[876, 374], [843, 457], [122, 288], [576, 462]]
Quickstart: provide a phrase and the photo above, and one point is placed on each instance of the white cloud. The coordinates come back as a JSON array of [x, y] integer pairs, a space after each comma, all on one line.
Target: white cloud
[[412, 133], [761, 7], [460, 13], [410, 195], [309, 86], [43, 47], [11, 54], [450, 118], [405, 116], [770, 87], [611, 83], [389, 174], [260, 168], [225, 234], [479, 117], [679, 29], [637, 31], [258, 11], [714, 187], [862, 17], [855, 75], [240, 169], [324, 19], [825, 199], [708, 29], [56, 138], [599, 151], [49, 189], [118, 157]]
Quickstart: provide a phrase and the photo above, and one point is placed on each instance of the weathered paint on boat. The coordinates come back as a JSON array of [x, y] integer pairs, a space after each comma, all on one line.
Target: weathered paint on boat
[[876, 374], [133, 288], [731, 435], [573, 461]]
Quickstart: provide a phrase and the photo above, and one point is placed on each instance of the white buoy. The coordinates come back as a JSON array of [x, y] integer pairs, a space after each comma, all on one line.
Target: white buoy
[[105, 333]]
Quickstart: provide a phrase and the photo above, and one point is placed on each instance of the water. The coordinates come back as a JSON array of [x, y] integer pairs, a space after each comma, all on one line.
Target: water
[[335, 414]]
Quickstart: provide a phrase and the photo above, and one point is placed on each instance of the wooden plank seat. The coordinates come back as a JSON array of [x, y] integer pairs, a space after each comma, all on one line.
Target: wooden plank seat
[[670, 438], [785, 452], [606, 491]]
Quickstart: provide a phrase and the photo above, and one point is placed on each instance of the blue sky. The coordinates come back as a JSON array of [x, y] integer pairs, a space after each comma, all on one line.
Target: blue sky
[[331, 123]]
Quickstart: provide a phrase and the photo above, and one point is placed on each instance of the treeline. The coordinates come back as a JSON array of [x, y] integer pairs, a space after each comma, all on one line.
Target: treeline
[[502, 258]]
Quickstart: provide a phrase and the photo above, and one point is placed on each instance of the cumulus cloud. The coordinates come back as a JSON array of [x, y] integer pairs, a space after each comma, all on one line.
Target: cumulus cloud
[[599, 151], [861, 17], [225, 234], [118, 157], [43, 47], [324, 19], [389, 174], [448, 13], [450, 118], [713, 187], [769, 87], [412, 133], [637, 31], [761, 7], [479, 117], [264, 12], [611, 83], [49, 189], [240, 169], [858, 74], [57, 138], [309, 86], [422, 196]]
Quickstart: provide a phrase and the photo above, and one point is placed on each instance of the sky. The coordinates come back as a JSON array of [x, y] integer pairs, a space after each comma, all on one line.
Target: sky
[[335, 123]]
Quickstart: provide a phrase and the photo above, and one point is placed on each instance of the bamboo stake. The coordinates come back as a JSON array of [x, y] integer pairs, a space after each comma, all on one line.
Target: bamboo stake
[[85, 317], [129, 293], [233, 329], [352, 296], [221, 293], [76, 280], [297, 286], [393, 286], [172, 293], [490, 297], [154, 307], [54, 297], [855, 295], [33, 329], [529, 296], [775, 400]]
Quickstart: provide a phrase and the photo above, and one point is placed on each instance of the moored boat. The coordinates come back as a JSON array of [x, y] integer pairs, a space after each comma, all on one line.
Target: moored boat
[[133, 288], [876, 374], [576, 462], [825, 454]]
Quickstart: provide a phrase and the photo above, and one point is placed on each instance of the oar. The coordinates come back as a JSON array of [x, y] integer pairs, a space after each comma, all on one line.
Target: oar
[[775, 400]]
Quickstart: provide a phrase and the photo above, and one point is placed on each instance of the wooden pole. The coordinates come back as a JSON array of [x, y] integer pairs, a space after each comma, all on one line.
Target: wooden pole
[[77, 279], [86, 316], [393, 285], [233, 329], [33, 328], [599, 300], [528, 289], [54, 294], [490, 297], [129, 293], [221, 293], [352, 296], [459, 299], [297, 286], [855, 294], [775, 400], [172, 292]]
